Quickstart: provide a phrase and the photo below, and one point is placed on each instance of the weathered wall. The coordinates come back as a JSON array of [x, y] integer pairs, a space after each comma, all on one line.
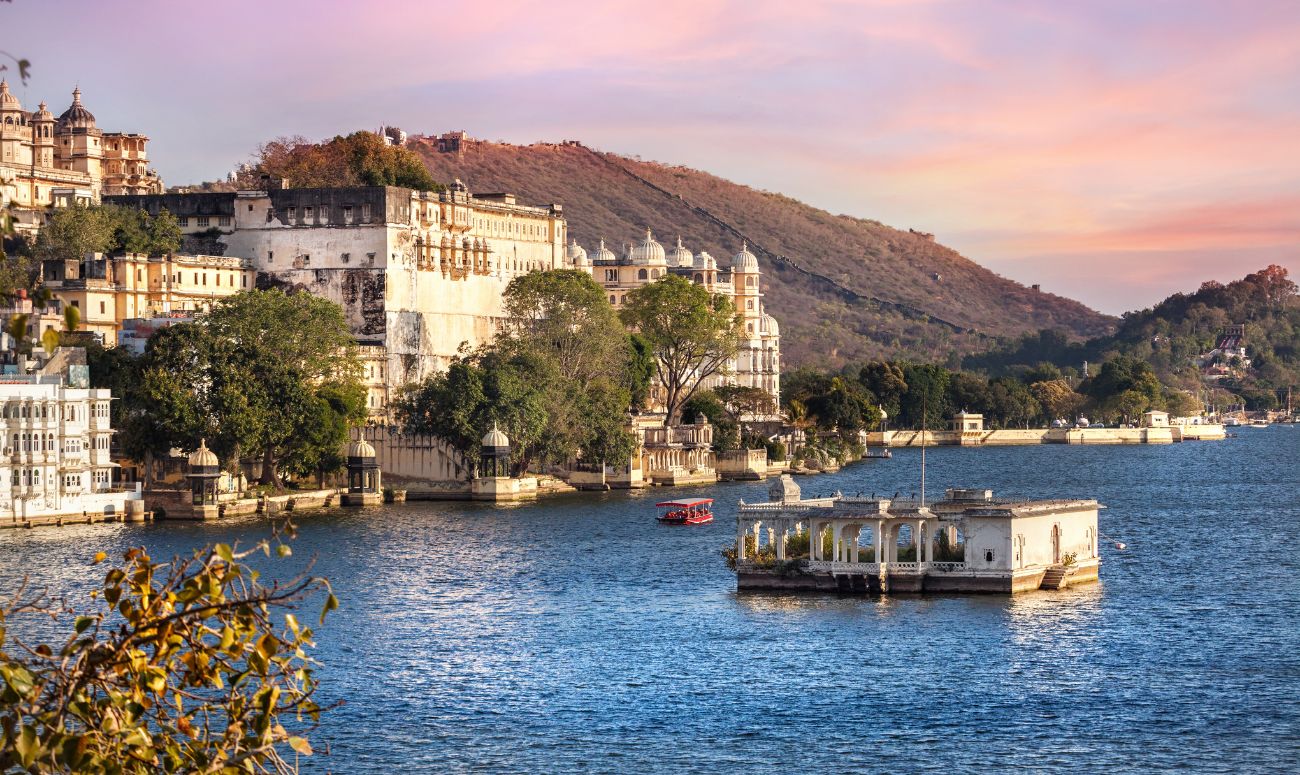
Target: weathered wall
[[414, 458]]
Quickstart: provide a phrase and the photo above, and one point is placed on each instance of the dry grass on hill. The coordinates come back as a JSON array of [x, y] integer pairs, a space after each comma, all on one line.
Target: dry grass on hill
[[842, 288]]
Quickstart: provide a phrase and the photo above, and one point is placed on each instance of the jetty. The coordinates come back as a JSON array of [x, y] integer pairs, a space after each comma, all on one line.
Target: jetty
[[969, 541]]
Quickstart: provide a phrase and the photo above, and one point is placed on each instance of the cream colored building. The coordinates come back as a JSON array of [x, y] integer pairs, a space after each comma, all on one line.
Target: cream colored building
[[57, 435], [758, 360], [417, 273], [110, 290], [48, 162]]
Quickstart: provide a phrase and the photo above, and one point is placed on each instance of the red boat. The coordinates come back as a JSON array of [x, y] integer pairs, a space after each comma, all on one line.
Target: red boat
[[695, 512]]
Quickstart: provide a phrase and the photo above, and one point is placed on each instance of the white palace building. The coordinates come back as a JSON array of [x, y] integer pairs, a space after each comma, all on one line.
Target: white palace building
[[57, 434]]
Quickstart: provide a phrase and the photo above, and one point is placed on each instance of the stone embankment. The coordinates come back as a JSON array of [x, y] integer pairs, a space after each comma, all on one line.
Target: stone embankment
[[1010, 437]]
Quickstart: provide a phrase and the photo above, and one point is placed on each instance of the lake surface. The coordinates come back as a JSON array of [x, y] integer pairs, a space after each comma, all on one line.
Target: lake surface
[[579, 635]]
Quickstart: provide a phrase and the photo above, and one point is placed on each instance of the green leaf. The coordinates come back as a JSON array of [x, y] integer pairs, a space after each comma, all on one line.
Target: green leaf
[[27, 746], [82, 623], [223, 551], [283, 550]]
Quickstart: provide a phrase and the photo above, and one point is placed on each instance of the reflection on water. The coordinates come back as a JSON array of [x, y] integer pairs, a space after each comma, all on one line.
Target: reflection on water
[[580, 635]]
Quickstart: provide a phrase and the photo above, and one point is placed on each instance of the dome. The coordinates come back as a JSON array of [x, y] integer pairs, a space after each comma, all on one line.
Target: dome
[[883, 414], [575, 254], [648, 252], [496, 439], [42, 114], [603, 254], [680, 256], [360, 448], [770, 325], [744, 261], [203, 457], [76, 115], [7, 99], [705, 261]]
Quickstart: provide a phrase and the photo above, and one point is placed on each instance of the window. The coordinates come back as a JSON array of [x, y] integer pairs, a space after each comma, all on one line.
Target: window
[[347, 213], [101, 308], [370, 257], [641, 275], [270, 213], [306, 260], [76, 304], [184, 220], [751, 282], [223, 220], [203, 221], [292, 213], [613, 299], [988, 556], [270, 256], [218, 279], [346, 257], [749, 304], [324, 213], [309, 213], [611, 275], [365, 213], [243, 281]]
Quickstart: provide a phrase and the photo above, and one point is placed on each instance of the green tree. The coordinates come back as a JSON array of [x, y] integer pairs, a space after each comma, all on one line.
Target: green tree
[[743, 404], [72, 232], [359, 159], [1057, 399], [196, 665], [925, 399], [692, 332], [726, 431], [886, 382]]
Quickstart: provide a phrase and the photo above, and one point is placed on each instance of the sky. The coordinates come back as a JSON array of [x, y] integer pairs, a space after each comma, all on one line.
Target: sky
[[1114, 152]]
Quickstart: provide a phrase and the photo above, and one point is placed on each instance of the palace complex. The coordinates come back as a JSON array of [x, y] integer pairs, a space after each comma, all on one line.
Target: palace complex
[[50, 162], [418, 274]]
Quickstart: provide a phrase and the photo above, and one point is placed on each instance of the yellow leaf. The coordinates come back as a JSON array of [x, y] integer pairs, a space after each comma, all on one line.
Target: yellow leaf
[[99, 557], [300, 745]]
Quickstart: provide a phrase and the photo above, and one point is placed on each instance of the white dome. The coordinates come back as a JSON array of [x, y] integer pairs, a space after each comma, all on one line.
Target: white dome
[[603, 254], [680, 256], [360, 448], [770, 325], [575, 253], [204, 457], [744, 261], [496, 438], [648, 252], [705, 261]]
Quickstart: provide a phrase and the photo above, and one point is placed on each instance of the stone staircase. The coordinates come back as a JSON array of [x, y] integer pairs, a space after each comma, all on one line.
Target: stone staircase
[[1054, 577]]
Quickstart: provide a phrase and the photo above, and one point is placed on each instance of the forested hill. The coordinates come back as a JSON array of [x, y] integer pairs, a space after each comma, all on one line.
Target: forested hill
[[843, 289], [1173, 334]]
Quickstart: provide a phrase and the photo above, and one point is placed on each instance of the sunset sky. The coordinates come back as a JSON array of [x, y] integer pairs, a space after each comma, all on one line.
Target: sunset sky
[[1111, 151]]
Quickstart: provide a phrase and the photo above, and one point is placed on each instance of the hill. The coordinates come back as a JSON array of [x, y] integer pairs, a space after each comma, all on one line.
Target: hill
[[844, 289], [1178, 338]]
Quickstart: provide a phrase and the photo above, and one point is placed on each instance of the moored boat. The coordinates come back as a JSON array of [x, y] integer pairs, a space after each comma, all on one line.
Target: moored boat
[[686, 512]]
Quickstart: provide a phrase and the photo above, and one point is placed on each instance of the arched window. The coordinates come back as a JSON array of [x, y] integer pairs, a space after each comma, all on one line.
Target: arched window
[[641, 275], [749, 304], [699, 278], [751, 282], [613, 299], [654, 274]]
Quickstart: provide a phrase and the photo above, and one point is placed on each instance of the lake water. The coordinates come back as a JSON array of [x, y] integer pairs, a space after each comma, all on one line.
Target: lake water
[[579, 635]]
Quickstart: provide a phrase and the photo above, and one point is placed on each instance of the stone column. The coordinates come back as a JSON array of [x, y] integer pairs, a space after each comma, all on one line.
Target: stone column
[[740, 543], [780, 542]]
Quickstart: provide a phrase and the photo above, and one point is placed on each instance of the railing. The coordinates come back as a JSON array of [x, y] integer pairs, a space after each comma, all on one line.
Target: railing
[[946, 567], [872, 568]]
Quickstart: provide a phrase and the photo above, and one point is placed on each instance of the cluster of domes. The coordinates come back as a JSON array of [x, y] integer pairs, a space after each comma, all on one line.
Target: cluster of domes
[[75, 117], [649, 252]]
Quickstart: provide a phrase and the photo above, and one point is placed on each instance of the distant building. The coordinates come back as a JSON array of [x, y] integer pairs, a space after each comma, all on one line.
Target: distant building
[[57, 435], [47, 162]]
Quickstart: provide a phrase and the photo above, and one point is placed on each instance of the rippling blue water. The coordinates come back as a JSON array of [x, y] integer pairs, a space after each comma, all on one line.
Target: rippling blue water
[[578, 635]]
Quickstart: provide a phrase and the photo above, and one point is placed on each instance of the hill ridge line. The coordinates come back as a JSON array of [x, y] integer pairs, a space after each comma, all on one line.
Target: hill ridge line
[[777, 257]]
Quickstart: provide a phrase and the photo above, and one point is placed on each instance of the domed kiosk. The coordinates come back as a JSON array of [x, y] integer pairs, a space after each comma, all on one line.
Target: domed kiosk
[[204, 470], [494, 482], [365, 486]]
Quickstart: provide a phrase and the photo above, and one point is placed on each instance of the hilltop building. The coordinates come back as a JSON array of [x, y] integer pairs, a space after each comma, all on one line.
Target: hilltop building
[[57, 435], [50, 162]]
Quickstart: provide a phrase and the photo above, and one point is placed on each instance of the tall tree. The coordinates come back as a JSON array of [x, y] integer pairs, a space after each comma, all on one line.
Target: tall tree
[[693, 334]]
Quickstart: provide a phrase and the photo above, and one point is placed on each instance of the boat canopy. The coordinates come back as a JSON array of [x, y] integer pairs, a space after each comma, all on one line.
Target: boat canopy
[[684, 504]]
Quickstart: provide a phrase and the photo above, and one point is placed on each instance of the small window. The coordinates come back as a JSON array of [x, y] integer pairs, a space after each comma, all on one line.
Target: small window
[[308, 213], [203, 221], [365, 213], [223, 220], [988, 556], [101, 308], [184, 220], [270, 256], [346, 257], [347, 214], [292, 213]]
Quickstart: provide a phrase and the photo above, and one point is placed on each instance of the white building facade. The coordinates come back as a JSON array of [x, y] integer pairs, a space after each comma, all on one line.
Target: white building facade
[[57, 436]]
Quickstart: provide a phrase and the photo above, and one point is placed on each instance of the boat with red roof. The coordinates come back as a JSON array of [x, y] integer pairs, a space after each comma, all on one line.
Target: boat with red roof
[[686, 512]]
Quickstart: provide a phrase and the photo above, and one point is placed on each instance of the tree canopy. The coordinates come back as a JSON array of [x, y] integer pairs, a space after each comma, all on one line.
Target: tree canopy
[[72, 232], [358, 159], [691, 332]]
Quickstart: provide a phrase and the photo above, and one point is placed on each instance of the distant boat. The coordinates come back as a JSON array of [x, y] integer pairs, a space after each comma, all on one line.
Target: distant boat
[[880, 453], [1232, 422], [1259, 423], [692, 512]]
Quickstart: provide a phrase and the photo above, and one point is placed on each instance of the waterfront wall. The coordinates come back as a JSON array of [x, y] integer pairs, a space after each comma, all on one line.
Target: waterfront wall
[[417, 461], [1014, 436]]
